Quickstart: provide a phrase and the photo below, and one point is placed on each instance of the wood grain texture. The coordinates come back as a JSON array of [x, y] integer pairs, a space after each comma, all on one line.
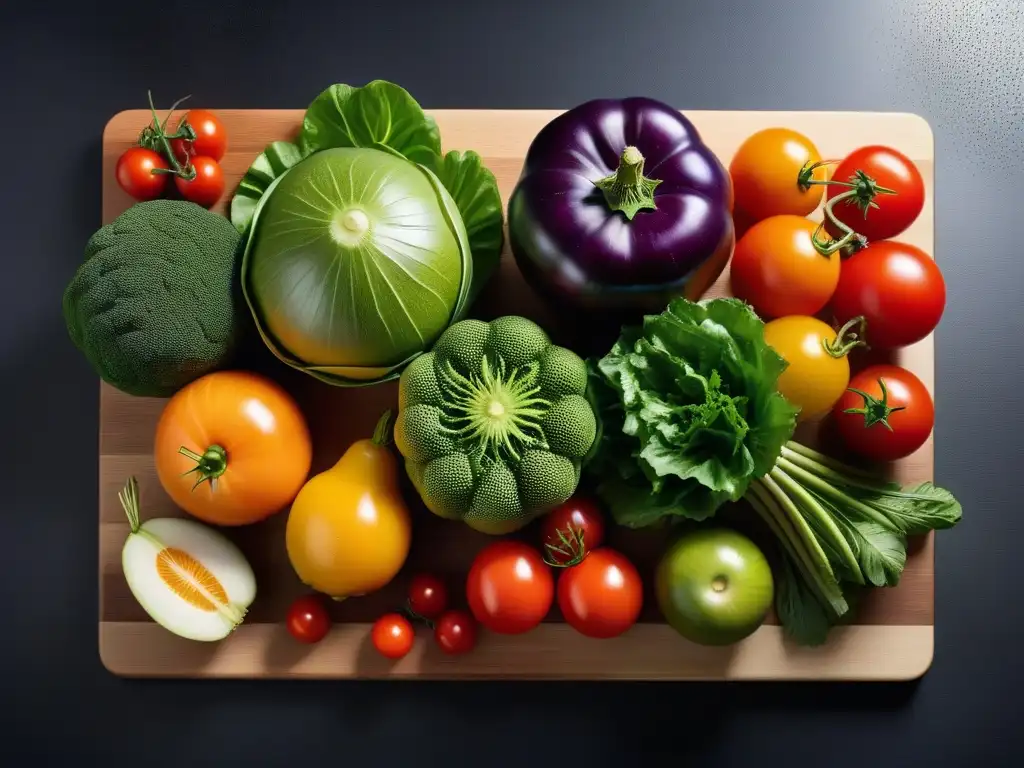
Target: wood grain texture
[[893, 636]]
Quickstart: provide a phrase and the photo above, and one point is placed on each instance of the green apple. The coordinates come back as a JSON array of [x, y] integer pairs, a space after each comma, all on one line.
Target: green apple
[[714, 586]]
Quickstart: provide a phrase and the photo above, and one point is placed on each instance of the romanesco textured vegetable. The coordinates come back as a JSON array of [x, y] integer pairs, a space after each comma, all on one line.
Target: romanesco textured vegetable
[[156, 302], [494, 423]]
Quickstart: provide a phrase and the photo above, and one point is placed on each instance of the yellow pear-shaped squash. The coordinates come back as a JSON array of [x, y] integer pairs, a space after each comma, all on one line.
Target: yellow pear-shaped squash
[[348, 529]]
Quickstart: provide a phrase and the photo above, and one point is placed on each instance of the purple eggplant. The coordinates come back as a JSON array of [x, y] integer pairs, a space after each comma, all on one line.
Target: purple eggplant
[[620, 205]]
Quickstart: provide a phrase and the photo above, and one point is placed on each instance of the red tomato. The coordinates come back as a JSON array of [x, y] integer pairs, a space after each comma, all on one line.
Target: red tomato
[[571, 530], [308, 620], [602, 596], [889, 169], [211, 138], [510, 588], [898, 290], [134, 173], [392, 636], [427, 596], [886, 422], [207, 186], [455, 632], [776, 269]]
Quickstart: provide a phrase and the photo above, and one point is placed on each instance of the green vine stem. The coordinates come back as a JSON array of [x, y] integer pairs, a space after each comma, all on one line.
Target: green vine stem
[[875, 411], [628, 190], [850, 336], [156, 136], [382, 432], [210, 465], [129, 498], [570, 547]]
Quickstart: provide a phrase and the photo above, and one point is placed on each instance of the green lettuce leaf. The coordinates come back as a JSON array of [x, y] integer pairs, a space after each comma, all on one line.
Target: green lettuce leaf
[[277, 158], [377, 113], [475, 191], [690, 412], [803, 617]]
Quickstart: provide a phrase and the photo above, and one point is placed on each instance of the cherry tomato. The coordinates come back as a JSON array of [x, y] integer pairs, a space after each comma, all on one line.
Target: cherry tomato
[[776, 269], [427, 596], [602, 596], [571, 530], [455, 632], [890, 169], [211, 138], [392, 635], [765, 171], [815, 377], [891, 419], [207, 186], [897, 288], [308, 620], [134, 173], [510, 588]]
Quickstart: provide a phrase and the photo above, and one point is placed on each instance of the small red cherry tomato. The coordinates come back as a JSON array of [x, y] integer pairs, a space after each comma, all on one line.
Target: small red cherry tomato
[[571, 530], [509, 588], [211, 138], [602, 596], [392, 636], [134, 173], [427, 596], [886, 414], [207, 186], [308, 620], [455, 632]]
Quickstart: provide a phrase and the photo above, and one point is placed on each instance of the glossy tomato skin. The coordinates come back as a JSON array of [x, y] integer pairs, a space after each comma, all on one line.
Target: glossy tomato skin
[[455, 632], [911, 426], [308, 620], [814, 379], [898, 290], [890, 169], [211, 137], [428, 596], [765, 170], [509, 588], [392, 635], [580, 516], [134, 173], [262, 433], [602, 596], [776, 269], [207, 186]]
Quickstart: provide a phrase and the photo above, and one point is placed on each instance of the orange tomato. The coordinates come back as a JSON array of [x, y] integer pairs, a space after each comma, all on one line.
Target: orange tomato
[[776, 270], [232, 448], [765, 171]]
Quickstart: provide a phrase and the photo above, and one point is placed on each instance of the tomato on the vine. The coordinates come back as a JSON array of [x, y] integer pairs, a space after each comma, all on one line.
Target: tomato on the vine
[[766, 171], [455, 632], [427, 596], [818, 371], [602, 596], [392, 635], [889, 169], [776, 269], [896, 288], [207, 186], [308, 620], [135, 173], [886, 414], [571, 530], [509, 588], [211, 138]]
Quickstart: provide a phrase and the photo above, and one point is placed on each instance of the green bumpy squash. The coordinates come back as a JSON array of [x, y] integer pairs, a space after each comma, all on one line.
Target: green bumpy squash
[[494, 423], [157, 303]]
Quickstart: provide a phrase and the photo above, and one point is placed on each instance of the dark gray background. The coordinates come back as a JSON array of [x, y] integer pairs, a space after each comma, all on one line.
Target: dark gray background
[[64, 73]]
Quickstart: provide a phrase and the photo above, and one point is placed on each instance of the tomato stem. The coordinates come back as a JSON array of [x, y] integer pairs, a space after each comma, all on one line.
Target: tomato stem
[[209, 466], [413, 616], [861, 190], [570, 545], [805, 177], [188, 173], [847, 338], [875, 411]]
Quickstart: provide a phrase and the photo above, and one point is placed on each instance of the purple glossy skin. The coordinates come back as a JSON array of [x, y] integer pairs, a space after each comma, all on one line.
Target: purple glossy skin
[[566, 239]]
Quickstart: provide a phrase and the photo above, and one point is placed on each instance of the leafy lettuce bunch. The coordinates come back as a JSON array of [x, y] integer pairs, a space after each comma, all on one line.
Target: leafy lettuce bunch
[[690, 412]]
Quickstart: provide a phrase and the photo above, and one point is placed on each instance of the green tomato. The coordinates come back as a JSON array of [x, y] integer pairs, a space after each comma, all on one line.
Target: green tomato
[[714, 586]]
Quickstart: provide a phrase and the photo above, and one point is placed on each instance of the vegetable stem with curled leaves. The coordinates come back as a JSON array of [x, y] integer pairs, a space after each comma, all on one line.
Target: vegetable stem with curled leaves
[[155, 137]]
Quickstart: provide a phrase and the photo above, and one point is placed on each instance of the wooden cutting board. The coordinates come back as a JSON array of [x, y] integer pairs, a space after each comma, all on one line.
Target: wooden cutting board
[[893, 636]]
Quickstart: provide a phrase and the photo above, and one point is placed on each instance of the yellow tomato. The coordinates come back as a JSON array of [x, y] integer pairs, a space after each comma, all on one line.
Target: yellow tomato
[[349, 530], [818, 371], [765, 173]]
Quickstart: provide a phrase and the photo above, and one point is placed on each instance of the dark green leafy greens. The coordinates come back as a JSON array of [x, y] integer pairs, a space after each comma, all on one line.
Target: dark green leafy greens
[[691, 418]]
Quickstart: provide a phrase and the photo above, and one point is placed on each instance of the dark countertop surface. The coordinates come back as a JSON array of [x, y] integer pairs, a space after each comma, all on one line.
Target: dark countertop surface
[[63, 73]]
